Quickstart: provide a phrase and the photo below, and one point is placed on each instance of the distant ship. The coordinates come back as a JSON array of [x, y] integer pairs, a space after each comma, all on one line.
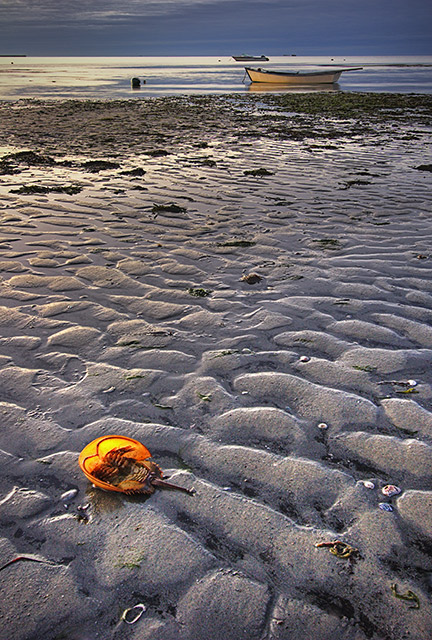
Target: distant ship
[[251, 58]]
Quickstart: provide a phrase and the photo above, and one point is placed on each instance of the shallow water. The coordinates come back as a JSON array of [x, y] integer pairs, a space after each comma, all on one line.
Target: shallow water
[[31, 77]]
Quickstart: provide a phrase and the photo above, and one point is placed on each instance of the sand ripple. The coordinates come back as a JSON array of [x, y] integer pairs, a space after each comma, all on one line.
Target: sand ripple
[[123, 310]]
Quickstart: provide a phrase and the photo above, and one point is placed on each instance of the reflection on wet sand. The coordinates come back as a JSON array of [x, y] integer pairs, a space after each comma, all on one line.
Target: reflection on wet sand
[[259, 87]]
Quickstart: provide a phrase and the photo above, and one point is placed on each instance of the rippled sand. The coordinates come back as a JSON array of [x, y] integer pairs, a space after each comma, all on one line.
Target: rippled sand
[[275, 400]]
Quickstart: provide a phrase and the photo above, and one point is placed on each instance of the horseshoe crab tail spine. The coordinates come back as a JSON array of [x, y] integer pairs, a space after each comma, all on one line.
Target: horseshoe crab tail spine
[[169, 485]]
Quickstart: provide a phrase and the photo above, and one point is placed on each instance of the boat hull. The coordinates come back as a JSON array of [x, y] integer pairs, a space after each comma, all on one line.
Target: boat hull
[[251, 58], [295, 78]]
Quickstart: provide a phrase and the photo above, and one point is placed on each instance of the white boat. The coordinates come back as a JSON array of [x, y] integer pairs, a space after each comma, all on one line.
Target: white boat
[[251, 58], [297, 77]]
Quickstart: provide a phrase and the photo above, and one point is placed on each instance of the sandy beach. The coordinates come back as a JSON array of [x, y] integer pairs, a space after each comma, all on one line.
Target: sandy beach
[[243, 284]]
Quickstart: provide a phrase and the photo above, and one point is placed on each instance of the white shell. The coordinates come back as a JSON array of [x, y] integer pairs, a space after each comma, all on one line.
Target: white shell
[[140, 610], [322, 425], [391, 490], [368, 484], [68, 495]]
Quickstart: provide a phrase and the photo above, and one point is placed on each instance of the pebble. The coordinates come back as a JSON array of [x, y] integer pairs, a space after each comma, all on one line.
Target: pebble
[[322, 425], [385, 506], [368, 484], [304, 358], [390, 490]]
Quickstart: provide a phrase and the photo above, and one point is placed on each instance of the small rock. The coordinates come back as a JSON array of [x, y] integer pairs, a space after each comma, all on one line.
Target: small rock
[[368, 484], [304, 358], [322, 425]]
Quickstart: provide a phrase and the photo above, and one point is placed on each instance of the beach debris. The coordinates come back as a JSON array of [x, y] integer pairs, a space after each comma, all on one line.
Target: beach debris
[[400, 383], [409, 595], [322, 425], [205, 397], [304, 358], [424, 167], [385, 506], [408, 390], [27, 557], [390, 490], [120, 463], [251, 278], [368, 484], [199, 293], [339, 549], [139, 608], [68, 496]]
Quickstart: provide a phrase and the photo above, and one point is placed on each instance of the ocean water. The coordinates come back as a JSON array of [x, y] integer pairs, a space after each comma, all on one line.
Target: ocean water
[[96, 77]]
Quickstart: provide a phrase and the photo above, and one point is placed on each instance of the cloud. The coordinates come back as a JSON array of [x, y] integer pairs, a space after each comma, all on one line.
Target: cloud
[[97, 11]]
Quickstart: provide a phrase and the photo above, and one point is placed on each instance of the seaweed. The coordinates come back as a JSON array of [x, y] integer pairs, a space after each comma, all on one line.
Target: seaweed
[[259, 173], [328, 243], [29, 157], [170, 207], [237, 243], [36, 189], [199, 293], [94, 166]]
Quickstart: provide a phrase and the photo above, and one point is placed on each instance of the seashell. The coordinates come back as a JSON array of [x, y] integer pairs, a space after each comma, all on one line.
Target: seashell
[[304, 358], [385, 506], [390, 490], [251, 278], [140, 608], [119, 463], [368, 484], [68, 495], [322, 425]]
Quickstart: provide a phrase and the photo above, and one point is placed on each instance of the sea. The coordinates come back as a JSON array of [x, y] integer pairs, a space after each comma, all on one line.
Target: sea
[[111, 77]]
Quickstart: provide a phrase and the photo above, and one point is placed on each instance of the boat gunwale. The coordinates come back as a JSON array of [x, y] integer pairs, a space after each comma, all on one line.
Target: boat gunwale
[[303, 74]]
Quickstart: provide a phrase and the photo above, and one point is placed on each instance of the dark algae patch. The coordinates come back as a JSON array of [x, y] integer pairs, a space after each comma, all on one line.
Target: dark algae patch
[[169, 207], [94, 166], [258, 173], [237, 243], [199, 293], [155, 126], [36, 189], [30, 158]]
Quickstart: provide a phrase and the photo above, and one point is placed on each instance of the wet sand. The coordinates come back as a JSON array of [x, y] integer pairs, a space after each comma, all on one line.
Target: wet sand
[[243, 284]]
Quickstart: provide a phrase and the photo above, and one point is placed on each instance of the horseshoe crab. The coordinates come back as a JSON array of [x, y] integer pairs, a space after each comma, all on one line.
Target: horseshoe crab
[[119, 463]]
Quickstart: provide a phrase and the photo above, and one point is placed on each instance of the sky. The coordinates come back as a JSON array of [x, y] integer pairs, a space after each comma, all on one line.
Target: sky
[[215, 27]]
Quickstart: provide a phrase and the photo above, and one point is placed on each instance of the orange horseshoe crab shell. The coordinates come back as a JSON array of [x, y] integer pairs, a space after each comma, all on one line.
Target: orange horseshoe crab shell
[[119, 463]]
